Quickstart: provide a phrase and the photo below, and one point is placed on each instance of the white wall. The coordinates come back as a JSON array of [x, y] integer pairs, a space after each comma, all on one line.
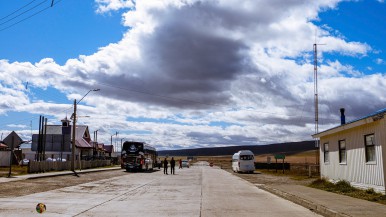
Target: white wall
[[357, 171], [4, 158]]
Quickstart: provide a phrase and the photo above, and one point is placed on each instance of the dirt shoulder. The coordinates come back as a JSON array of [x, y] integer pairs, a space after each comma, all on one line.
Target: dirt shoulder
[[31, 186], [259, 177]]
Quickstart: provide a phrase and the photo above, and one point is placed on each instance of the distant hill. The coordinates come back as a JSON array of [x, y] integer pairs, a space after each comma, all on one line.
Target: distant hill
[[287, 148]]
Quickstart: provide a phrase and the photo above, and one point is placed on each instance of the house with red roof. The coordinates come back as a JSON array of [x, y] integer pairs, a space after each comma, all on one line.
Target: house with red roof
[[56, 142]]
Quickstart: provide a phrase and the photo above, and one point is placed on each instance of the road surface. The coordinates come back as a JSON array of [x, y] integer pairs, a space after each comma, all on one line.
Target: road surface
[[198, 191]]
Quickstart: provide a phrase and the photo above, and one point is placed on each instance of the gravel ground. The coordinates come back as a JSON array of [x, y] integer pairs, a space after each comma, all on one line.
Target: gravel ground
[[30, 186], [267, 179]]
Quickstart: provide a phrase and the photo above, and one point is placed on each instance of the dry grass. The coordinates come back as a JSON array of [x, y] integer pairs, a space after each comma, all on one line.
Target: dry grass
[[344, 187], [15, 170], [299, 164]]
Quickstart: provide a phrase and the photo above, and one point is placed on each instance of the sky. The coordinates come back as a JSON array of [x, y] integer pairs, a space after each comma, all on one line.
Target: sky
[[190, 73]]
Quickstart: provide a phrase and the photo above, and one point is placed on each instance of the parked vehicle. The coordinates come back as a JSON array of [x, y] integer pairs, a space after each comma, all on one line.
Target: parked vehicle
[[185, 163], [137, 156], [243, 161], [24, 162]]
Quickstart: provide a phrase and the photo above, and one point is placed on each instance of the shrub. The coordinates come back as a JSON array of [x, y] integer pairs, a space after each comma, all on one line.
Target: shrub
[[322, 183], [344, 186], [370, 191]]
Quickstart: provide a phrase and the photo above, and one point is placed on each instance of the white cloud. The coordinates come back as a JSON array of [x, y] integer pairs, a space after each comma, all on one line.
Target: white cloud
[[379, 61], [104, 6], [205, 73]]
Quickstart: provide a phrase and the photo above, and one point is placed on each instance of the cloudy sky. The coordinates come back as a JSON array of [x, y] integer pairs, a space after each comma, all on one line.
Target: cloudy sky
[[190, 73]]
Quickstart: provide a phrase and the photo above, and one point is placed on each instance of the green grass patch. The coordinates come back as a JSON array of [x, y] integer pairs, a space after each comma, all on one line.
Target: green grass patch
[[344, 188]]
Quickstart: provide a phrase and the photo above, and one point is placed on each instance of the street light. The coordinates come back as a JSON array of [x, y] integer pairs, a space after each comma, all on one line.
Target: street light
[[74, 130]]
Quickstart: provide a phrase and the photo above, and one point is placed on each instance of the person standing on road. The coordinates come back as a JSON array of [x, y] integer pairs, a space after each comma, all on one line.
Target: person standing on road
[[180, 161], [159, 162], [172, 165], [165, 166]]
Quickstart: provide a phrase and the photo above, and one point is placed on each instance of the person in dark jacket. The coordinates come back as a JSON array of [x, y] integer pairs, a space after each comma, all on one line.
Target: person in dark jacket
[[165, 166], [172, 165]]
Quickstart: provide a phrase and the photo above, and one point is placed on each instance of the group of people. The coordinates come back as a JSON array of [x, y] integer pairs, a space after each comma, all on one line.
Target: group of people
[[172, 165]]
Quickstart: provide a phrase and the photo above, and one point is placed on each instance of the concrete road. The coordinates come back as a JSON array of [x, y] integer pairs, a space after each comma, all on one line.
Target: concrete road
[[196, 191]]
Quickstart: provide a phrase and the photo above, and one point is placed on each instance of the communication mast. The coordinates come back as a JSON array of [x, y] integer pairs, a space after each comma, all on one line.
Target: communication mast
[[316, 103]]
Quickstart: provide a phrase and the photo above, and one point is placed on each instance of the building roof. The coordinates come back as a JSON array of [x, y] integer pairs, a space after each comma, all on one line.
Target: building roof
[[2, 145], [360, 121], [82, 135], [54, 129], [82, 143], [13, 138], [57, 130]]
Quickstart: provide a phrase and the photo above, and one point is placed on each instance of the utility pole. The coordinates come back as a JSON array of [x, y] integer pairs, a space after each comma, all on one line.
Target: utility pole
[[73, 140], [10, 156], [74, 131]]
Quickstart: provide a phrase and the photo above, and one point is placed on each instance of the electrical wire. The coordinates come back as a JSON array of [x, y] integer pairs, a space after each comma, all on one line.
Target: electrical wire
[[32, 15], [17, 10], [24, 12]]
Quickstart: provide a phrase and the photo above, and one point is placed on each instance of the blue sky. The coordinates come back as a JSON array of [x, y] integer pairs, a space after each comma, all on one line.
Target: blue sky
[[361, 21], [183, 74], [69, 29]]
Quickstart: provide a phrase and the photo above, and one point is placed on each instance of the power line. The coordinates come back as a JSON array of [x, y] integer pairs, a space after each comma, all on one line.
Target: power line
[[24, 12], [17, 10], [32, 15]]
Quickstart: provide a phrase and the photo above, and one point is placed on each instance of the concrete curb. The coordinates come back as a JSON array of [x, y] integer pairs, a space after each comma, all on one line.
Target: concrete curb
[[317, 208]]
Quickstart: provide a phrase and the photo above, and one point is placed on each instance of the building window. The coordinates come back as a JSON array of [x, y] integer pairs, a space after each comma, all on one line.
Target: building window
[[342, 151], [326, 153], [370, 148]]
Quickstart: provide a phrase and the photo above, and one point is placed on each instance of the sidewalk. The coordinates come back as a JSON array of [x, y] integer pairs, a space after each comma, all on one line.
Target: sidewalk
[[326, 203], [53, 174]]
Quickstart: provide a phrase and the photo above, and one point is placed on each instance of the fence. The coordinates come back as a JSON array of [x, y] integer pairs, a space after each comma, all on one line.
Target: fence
[[45, 166]]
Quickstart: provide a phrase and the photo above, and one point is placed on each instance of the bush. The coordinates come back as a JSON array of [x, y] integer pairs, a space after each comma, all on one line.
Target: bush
[[370, 191], [344, 186], [322, 183]]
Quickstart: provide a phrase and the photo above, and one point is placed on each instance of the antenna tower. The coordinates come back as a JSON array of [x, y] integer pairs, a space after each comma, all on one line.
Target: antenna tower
[[316, 93]]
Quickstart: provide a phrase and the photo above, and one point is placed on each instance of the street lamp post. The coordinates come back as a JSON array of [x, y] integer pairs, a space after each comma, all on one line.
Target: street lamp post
[[74, 130]]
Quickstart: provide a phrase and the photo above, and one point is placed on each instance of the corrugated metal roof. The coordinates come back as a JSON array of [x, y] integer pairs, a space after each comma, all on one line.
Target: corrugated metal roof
[[80, 130], [374, 114], [54, 129], [81, 143], [379, 112], [57, 129]]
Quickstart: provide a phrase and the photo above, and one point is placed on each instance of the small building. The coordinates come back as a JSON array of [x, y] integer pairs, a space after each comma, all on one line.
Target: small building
[[57, 142], [356, 152]]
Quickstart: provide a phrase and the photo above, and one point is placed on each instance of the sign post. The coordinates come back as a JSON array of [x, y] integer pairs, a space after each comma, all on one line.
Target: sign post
[[280, 156]]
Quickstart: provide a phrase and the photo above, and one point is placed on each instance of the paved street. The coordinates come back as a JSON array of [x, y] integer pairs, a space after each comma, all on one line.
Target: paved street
[[197, 191]]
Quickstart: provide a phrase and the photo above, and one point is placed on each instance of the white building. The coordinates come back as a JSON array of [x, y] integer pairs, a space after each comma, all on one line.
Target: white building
[[356, 152]]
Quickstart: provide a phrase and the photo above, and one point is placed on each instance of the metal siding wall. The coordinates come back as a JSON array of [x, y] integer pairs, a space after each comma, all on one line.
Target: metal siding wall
[[356, 170]]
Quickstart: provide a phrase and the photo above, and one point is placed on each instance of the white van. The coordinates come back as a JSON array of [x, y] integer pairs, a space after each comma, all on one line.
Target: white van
[[243, 161]]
